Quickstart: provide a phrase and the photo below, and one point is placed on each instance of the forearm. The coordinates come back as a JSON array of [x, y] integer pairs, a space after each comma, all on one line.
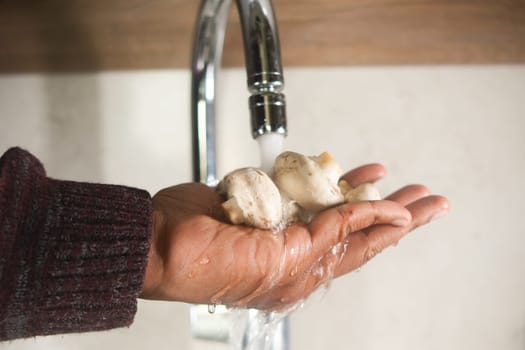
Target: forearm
[[72, 255]]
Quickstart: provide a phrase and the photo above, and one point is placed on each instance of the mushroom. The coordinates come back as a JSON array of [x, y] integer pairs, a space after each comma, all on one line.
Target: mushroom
[[363, 192], [252, 198], [310, 181], [301, 187]]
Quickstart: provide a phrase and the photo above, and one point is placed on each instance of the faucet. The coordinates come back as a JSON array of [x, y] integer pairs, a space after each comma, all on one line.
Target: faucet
[[267, 112], [264, 76]]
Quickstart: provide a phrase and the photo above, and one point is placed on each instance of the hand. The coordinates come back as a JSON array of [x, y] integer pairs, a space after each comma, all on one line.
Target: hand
[[196, 257]]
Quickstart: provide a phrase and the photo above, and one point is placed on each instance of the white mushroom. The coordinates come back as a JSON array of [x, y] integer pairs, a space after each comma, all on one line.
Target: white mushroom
[[302, 186], [252, 198], [310, 181], [363, 192]]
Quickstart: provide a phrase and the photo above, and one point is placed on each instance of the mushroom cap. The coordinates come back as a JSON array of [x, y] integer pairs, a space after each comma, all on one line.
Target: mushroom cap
[[309, 181], [252, 198]]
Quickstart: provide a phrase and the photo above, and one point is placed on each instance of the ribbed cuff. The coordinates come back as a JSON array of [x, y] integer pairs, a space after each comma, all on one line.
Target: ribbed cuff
[[81, 260], [96, 259]]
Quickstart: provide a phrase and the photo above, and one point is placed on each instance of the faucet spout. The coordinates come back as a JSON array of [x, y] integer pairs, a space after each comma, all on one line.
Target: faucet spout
[[263, 67], [264, 76]]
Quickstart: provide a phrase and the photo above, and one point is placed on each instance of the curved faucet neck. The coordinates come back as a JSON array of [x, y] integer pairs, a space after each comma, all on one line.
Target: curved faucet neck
[[264, 76]]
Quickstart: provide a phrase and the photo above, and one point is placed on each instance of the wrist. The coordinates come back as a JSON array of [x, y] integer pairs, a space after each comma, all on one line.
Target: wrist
[[154, 266]]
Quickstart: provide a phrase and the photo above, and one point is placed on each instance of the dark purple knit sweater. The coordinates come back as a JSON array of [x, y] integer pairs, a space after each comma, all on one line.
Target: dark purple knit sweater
[[72, 255]]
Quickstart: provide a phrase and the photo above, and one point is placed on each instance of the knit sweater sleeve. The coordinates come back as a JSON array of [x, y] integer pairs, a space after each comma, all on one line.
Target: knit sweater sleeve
[[72, 255]]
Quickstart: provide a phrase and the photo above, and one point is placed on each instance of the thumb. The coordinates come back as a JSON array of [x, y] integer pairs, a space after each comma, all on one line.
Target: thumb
[[333, 225]]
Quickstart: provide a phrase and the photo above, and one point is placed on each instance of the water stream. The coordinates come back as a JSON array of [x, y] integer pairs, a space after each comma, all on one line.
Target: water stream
[[270, 146]]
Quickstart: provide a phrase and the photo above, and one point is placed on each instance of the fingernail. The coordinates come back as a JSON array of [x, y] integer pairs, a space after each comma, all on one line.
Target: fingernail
[[400, 222], [439, 214]]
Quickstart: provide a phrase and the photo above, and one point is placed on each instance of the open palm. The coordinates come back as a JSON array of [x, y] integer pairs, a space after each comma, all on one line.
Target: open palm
[[197, 257]]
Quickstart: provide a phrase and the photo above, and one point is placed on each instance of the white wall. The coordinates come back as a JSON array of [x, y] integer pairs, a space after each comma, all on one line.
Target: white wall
[[456, 284]]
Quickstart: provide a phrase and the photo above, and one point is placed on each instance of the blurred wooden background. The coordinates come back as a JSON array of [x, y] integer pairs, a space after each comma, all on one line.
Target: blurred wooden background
[[87, 35]]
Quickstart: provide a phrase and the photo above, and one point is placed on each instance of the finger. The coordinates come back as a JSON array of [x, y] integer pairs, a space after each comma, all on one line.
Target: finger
[[408, 194], [422, 211], [334, 225], [427, 209], [366, 244], [364, 174]]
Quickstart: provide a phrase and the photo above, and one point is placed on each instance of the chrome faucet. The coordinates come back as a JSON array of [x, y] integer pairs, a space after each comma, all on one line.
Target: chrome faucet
[[266, 105], [264, 76]]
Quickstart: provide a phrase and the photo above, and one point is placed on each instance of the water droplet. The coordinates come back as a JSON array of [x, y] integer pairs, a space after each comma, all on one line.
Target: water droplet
[[318, 272], [293, 272], [205, 260], [211, 308]]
